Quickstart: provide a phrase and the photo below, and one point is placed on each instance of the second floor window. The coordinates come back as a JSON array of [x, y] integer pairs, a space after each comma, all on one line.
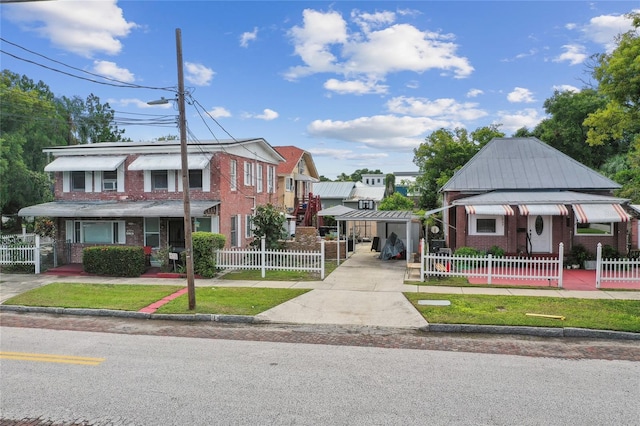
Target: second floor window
[[259, 178], [159, 180], [289, 183], [78, 181], [271, 180], [195, 179], [110, 181], [248, 173], [234, 175]]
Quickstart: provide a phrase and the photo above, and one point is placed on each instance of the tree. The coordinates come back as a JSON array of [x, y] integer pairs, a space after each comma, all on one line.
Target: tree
[[443, 152], [389, 184], [565, 129], [618, 122], [91, 121], [357, 175], [396, 201], [268, 222], [343, 177]]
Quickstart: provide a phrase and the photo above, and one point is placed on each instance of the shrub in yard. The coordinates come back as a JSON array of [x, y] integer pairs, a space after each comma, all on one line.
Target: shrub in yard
[[204, 246], [115, 261], [496, 251], [467, 251]]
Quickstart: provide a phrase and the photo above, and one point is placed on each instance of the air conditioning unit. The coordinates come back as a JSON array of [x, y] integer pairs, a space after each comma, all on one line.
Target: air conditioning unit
[[110, 185]]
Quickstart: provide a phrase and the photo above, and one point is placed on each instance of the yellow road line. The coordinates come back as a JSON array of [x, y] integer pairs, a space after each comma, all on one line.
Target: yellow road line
[[64, 359]]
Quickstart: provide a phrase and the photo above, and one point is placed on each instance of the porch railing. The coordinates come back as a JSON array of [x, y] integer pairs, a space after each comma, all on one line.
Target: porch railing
[[263, 259]]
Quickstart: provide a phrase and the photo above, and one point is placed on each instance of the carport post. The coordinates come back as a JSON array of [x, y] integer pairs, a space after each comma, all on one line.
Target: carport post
[[338, 245], [408, 242]]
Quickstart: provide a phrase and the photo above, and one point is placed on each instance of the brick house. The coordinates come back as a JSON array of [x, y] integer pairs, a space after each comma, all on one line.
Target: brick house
[[526, 197], [131, 193]]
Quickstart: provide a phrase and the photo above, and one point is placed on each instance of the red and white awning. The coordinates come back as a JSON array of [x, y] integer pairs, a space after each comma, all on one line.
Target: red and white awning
[[543, 209], [492, 209], [600, 213]]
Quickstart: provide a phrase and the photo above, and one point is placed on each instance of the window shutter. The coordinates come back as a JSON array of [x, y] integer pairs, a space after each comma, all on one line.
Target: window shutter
[[120, 182], [88, 181], [147, 181], [171, 181], [66, 181], [98, 181]]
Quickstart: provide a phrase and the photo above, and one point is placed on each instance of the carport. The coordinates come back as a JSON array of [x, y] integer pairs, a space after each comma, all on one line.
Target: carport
[[400, 216]]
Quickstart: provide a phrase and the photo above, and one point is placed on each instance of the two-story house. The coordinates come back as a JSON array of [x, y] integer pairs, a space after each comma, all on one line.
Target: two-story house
[[132, 193]]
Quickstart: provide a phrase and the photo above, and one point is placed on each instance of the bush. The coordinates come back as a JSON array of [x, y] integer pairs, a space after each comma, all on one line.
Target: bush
[[204, 246], [608, 252], [115, 261], [496, 251], [467, 251]]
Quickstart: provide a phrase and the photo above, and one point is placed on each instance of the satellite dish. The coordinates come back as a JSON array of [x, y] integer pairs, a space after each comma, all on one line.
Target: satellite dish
[[435, 229]]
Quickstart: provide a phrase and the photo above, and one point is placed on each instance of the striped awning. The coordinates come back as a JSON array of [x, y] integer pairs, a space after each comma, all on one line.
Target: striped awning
[[543, 209], [491, 209], [599, 213]]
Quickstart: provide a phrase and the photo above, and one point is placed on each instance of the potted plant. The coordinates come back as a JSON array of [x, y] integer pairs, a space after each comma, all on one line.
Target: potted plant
[[590, 261], [580, 254]]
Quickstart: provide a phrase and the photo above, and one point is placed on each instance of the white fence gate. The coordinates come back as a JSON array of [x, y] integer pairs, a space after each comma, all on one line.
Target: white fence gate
[[490, 267], [283, 260], [20, 249]]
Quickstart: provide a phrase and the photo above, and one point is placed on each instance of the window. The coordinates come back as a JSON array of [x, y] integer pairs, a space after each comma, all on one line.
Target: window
[[152, 232], [234, 175], [486, 225], [159, 180], [96, 231], [109, 181], [289, 184], [78, 181], [234, 231], [365, 204], [271, 179], [202, 224], [249, 226], [248, 173], [195, 179], [596, 229], [301, 167], [259, 177]]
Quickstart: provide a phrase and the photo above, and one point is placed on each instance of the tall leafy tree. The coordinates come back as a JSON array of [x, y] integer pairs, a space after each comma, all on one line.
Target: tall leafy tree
[[357, 175], [91, 121], [442, 153], [565, 129], [396, 201], [268, 222]]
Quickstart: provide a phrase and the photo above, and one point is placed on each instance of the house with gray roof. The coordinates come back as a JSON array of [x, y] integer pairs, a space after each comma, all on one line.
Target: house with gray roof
[[526, 197]]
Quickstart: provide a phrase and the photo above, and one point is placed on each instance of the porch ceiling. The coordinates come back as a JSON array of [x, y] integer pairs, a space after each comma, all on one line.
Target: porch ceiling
[[172, 208]]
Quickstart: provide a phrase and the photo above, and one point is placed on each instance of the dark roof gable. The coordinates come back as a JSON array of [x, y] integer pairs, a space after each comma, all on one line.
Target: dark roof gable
[[525, 164]]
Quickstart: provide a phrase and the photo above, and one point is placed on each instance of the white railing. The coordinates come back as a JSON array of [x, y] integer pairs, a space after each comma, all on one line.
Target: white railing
[[20, 249], [618, 270], [283, 260], [490, 267]]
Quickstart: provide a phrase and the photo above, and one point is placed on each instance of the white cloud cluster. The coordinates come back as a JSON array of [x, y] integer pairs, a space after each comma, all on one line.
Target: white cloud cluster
[[520, 94], [514, 120], [573, 53], [566, 88], [198, 74], [111, 70], [444, 108], [246, 37], [346, 154], [81, 27], [267, 115], [603, 29], [219, 112], [375, 47]]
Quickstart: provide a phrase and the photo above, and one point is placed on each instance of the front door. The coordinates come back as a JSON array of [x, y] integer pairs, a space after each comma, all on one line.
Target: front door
[[176, 234], [540, 233]]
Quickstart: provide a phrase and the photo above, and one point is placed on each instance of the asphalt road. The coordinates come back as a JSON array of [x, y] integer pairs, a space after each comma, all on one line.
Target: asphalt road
[[160, 372]]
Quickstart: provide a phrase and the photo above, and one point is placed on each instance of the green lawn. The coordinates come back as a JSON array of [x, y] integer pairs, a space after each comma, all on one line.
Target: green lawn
[[603, 314], [256, 274]]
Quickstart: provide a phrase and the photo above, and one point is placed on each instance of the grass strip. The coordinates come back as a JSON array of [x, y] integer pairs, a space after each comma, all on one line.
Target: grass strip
[[126, 297], [277, 275], [231, 300], [602, 314]]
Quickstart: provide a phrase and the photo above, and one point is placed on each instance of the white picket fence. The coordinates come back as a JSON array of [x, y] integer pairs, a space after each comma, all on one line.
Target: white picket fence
[[263, 259], [20, 249], [490, 267], [616, 270]]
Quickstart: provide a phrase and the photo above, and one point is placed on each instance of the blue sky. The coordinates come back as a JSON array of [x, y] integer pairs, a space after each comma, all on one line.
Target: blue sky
[[357, 84]]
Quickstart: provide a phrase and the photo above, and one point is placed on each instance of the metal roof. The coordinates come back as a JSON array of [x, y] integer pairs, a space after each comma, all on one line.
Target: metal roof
[[335, 211], [168, 208], [537, 197], [365, 192], [378, 215], [525, 163], [337, 190]]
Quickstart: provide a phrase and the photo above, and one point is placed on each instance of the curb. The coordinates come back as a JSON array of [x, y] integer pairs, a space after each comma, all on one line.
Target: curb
[[248, 319]]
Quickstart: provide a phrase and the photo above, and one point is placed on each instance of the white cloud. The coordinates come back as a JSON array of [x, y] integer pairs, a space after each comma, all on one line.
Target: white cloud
[[566, 88], [603, 29], [246, 37], [81, 27], [111, 70], [574, 54], [267, 115], [474, 93], [512, 121], [443, 109], [346, 154], [198, 74], [324, 44], [219, 112], [354, 87], [387, 132], [520, 94]]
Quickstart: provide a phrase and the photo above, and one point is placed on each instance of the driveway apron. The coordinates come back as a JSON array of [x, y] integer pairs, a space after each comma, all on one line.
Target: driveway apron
[[363, 290]]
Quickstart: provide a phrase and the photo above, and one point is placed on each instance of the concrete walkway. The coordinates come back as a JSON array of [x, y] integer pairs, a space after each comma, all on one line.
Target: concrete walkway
[[363, 290]]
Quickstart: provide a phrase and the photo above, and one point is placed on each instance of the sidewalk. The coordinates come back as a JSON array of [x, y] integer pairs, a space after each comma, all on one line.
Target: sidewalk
[[364, 291]]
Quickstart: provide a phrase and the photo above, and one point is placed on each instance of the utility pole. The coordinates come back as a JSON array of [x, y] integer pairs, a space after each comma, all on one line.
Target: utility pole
[[188, 240]]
